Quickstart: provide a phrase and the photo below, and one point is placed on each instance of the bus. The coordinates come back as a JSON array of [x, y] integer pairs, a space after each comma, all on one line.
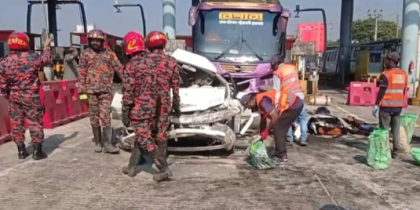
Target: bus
[[240, 37]]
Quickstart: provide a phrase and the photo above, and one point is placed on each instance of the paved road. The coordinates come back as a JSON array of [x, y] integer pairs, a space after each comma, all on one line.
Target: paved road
[[329, 171]]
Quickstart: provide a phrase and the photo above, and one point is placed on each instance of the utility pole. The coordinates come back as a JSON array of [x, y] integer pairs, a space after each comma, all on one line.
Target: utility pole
[[375, 14]]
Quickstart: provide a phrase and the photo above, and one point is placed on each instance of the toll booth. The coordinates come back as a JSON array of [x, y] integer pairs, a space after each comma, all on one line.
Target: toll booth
[[369, 62], [80, 41]]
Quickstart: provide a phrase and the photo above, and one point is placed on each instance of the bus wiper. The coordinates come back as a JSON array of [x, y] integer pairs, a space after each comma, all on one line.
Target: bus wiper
[[250, 48], [226, 50]]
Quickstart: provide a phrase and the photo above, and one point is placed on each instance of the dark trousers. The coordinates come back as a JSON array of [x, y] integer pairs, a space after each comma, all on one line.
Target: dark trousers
[[283, 124], [391, 120]]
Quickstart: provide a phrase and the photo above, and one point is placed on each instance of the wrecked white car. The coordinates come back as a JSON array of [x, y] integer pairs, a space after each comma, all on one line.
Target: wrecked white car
[[211, 114]]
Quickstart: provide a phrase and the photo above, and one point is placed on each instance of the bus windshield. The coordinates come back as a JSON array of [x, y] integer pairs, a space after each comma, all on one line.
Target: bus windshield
[[221, 34]]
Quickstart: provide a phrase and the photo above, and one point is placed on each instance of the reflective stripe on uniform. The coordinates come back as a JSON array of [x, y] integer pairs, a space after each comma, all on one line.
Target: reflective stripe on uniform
[[389, 102], [394, 90], [290, 80]]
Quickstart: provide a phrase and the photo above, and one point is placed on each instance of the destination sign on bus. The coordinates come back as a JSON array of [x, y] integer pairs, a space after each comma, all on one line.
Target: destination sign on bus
[[255, 16], [241, 18]]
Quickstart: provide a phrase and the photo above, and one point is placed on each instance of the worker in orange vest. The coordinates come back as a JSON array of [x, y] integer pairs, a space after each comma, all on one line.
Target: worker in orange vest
[[285, 76], [281, 116], [390, 100]]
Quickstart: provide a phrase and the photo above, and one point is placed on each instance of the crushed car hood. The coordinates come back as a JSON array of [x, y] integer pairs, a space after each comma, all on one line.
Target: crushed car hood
[[195, 97], [195, 60], [201, 98]]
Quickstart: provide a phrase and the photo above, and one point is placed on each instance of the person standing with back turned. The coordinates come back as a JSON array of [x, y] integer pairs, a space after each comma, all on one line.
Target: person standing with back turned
[[168, 71], [285, 76], [146, 96], [135, 49], [97, 66], [20, 83], [390, 100]]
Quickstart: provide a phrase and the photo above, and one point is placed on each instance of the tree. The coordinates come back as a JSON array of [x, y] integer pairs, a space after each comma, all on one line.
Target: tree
[[332, 43], [363, 30]]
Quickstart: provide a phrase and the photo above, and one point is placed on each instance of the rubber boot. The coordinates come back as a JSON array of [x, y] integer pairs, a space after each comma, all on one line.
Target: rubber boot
[[38, 153], [160, 161], [130, 169], [107, 141], [22, 153], [97, 138]]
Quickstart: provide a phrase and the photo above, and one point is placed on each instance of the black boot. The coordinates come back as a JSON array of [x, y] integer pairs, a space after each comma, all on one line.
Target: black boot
[[38, 153], [107, 141], [97, 138], [160, 161], [22, 153], [136, 153]]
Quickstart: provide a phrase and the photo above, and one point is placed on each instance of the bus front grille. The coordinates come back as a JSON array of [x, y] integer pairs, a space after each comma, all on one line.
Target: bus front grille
[[232, 68]]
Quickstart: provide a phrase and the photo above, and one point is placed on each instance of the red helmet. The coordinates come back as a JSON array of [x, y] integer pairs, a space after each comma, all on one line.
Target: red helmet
[[156, 39], [96, 34], [134, 42], [18, 41]]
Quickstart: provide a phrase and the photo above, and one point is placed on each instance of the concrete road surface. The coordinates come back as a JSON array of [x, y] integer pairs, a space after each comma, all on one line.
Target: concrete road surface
[[328, 172]]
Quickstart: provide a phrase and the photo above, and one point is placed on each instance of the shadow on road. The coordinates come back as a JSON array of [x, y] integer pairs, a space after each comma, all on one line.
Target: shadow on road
[[412, 162], [355, 144], [53, 142], [360, 159], [332, 207]]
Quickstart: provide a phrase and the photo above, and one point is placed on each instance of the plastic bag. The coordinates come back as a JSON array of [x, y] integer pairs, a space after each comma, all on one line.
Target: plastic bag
[[378, 152], [404, 144], [415, 152], [258, 156], [409, 122]]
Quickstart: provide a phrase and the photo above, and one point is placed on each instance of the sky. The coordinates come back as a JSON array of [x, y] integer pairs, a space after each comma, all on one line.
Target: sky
[[104, 16]]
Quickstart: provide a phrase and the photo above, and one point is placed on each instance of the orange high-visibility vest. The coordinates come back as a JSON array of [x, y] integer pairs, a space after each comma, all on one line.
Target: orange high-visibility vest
[[289, 79], [397, 83], [284, 102]]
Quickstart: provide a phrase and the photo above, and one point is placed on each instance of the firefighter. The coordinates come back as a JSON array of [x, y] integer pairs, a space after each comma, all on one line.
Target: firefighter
[[20, 83], [281, 116], [97, 66], [285, 76], [135, 49], [146, 97], [168, 80], [390, 100]]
